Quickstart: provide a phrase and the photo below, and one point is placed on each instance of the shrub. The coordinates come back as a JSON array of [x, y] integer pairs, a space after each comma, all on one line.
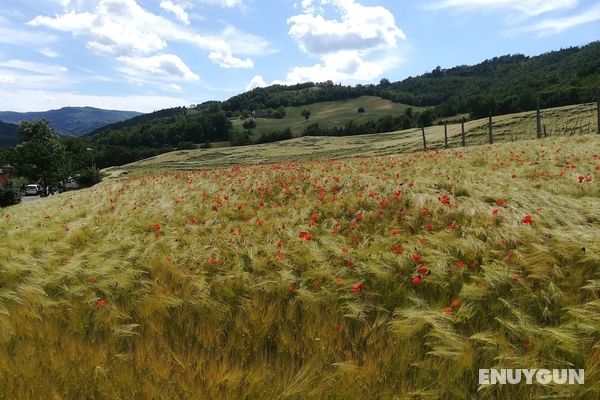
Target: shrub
[[9, 195], [89, 177]]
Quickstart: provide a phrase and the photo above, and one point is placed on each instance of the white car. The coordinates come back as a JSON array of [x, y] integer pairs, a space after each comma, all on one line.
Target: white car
[[33, 190]]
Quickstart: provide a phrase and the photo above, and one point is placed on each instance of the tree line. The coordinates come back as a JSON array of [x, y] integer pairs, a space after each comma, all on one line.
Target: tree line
[[505, 84]]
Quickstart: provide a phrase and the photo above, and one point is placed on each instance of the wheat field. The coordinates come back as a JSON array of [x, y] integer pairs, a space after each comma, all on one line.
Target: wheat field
[[377, 276]]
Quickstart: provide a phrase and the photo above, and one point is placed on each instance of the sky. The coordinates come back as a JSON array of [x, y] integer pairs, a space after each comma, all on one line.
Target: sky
[[146, 55]]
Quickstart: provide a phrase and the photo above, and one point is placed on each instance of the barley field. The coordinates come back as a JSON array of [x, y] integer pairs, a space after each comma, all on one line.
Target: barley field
[[378, 276]]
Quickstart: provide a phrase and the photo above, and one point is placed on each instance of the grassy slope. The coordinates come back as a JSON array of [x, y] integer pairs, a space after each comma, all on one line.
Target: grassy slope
[[568, 120], [223, 299], [328, 114]]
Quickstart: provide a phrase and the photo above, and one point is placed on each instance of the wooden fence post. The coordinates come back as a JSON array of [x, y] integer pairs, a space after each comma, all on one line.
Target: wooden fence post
[[598, 110], [445, 135], [462, 127], [539, 120], [490, 133], [424, 141]]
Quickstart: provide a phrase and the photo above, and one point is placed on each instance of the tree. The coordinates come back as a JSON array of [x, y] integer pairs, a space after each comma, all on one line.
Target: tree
[[361, 111], [249, 124], [306, 114], [40, 157]]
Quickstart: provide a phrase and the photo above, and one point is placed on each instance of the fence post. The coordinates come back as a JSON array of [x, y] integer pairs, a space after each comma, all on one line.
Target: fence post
[[490, 133], [424, 141], [545, 133], [598, 110], [445, 135], [462, 127], [539, 120]]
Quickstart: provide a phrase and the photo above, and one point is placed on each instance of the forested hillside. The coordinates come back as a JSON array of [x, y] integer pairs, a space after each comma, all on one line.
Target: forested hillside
[[71, 121], [505, 84]]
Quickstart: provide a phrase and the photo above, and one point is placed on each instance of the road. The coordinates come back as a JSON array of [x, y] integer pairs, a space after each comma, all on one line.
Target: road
[[26, 199]]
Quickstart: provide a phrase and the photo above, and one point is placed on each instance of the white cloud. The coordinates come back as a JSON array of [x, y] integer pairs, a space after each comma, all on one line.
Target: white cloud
[[40, 100], [175, 88], [223, 3], [122, 28], [360, 28], [177, 10], [161, 65], [345, 46], [558, 25], [11, 35], [21, 74], [256, 82], [524, 8], [48, 52]]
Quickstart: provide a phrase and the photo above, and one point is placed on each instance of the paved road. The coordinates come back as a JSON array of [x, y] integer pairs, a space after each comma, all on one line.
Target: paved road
[[26, 199]]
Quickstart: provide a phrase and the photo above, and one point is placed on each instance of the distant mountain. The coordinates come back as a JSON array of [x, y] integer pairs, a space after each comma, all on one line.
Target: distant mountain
[[8, 134], [71, 121]]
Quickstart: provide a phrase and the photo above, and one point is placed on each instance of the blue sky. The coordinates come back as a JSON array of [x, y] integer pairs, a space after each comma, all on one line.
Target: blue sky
[[146, 55]]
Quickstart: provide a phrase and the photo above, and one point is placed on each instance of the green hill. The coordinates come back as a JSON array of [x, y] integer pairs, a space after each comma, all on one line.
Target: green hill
[[71, 121], [328, 114], [504, 84]]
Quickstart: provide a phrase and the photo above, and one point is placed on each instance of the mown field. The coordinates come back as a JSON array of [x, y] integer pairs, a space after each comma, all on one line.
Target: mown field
[[380, 276], [562, 121], [328, 114]]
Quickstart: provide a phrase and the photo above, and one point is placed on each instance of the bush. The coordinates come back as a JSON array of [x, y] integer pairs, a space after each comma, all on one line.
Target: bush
[[89, 177], [9, 195], [186, 146]]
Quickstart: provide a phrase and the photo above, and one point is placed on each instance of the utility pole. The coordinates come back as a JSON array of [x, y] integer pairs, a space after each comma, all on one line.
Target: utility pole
[[424, 141]]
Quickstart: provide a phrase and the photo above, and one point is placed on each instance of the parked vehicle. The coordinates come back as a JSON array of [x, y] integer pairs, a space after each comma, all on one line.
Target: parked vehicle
[[33, 189]]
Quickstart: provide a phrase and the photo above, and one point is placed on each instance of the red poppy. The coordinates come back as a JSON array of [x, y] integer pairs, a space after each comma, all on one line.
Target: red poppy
[[360, 216], [398, 249], [416, 280], [291, 288], [350, 263], [280, 256], [444, 199], [422, 269], [459, 264], [260, 222], [344, 250], [305, 235], [501, 203], [416, 257], [101, 303], [429, 227], [494, 211], [424, 213], [357, 288], [453, 227], [516, 277], [448, 310], [384, 203], [314, 217], [280, 243], [213, 260], [394, 232], [193, 221], [528, 219]]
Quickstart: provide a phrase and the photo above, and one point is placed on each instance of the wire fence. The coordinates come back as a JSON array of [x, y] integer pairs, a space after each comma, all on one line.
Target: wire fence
[[583, 119]]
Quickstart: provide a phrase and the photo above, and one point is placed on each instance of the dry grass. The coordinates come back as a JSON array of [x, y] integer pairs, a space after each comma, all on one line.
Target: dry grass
[[202, 284], [563, 121]]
